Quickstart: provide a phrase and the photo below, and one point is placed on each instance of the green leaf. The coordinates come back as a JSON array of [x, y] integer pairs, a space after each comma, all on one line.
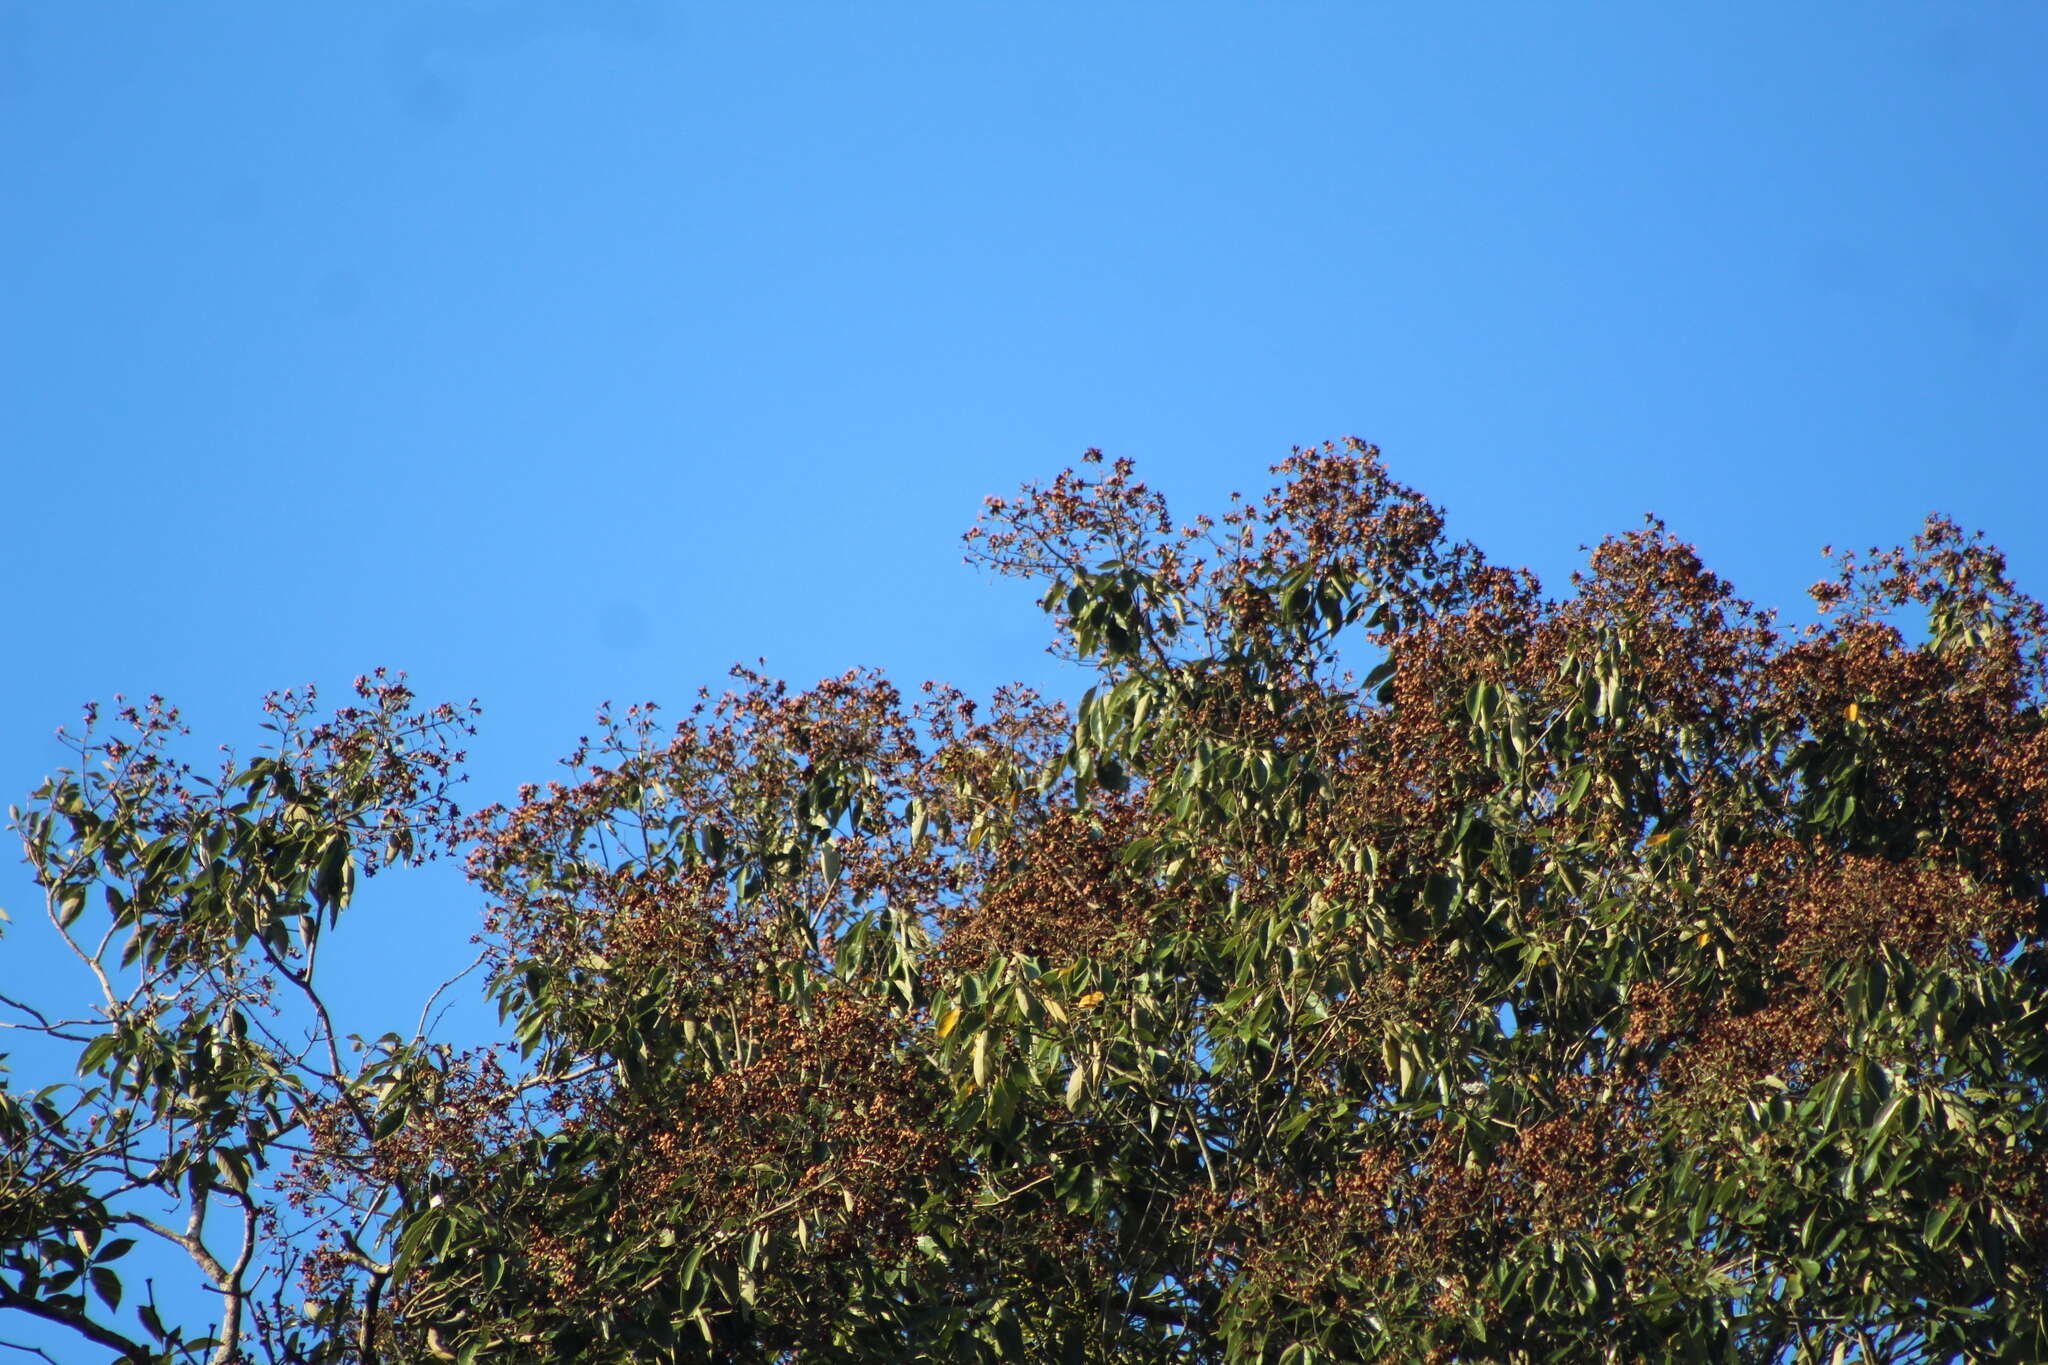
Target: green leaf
[[107, 1285], [1077, 1087], [95, 1053], [333, 878]]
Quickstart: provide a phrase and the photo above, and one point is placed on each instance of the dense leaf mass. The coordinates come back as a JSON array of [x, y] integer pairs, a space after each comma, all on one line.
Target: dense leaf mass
[[1383, 961]]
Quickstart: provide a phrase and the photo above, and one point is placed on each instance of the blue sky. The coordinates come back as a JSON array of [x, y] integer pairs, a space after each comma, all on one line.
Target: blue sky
[[561, 353]]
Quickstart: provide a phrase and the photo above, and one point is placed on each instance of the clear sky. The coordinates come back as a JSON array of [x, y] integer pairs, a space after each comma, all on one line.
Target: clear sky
[[562, 352]]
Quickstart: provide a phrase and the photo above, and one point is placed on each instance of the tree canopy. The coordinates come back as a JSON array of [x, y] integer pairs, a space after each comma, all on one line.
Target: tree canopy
[[1382, 960]]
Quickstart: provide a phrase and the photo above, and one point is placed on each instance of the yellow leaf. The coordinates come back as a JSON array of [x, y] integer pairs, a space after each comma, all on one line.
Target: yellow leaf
[[1705, 939], [1090, 1000], [948, 1022], [1853, 711]]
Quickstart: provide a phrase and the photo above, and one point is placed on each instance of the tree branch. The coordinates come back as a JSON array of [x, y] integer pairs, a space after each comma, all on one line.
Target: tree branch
[[75, 1319]]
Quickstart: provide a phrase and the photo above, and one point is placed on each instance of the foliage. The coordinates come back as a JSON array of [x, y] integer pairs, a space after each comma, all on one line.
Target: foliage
[[1382, 961], [197, 906]]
